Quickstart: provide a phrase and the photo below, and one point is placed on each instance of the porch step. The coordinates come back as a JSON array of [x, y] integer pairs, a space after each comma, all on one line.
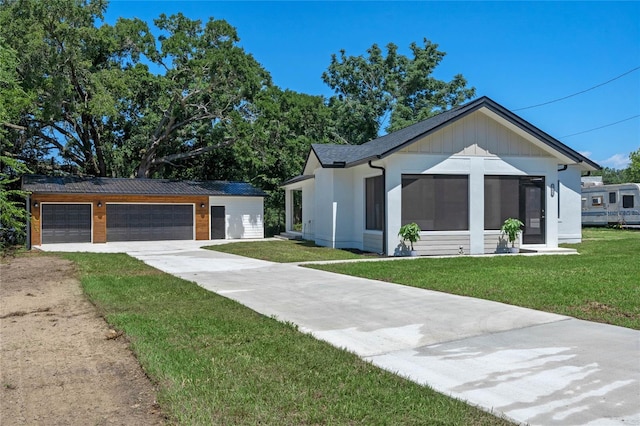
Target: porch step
[[544, 250], [288, 236]]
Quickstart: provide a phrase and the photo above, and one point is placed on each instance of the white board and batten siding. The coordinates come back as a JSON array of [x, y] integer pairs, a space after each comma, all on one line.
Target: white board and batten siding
[[244, 216], [477, 136]]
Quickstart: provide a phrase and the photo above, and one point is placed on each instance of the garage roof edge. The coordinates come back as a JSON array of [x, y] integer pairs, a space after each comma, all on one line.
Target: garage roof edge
[[125, 186]]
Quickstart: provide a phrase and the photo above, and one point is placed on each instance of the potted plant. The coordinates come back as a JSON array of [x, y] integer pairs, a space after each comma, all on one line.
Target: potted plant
[[410, 232], [512, 227]]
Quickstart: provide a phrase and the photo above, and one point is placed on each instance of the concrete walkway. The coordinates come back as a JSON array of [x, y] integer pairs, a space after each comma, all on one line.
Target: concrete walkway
[[534, 367]]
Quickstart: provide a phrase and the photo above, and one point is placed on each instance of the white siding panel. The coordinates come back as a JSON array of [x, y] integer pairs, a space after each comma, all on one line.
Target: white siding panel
[[372, 242], [443, 244], [570, 216], [244, 216], [495, 242]]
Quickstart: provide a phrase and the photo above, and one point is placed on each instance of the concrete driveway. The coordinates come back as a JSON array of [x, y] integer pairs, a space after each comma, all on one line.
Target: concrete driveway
[[534, 367]]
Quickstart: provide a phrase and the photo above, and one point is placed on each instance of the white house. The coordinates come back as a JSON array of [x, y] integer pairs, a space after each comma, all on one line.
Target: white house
[[458, 175]]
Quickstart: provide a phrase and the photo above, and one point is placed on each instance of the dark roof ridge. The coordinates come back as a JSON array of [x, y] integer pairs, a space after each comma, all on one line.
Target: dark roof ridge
[[334, 155]]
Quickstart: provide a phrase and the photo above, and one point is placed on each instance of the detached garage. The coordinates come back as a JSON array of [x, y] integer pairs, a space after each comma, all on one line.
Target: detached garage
[[75, 209]]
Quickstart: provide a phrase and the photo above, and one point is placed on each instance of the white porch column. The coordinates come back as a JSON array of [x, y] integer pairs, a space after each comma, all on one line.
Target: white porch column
[[287, 210], [476, 205]]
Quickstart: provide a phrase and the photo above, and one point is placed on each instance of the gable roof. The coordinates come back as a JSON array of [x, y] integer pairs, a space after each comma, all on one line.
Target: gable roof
[[353, 155], [102, 185]]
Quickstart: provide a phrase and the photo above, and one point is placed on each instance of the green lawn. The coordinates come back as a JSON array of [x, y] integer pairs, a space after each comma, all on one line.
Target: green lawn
[[217, 362], [285, 251], [601, 284]]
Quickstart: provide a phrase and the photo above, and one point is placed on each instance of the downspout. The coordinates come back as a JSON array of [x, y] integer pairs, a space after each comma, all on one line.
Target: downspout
[[28, 206], [384, 200]]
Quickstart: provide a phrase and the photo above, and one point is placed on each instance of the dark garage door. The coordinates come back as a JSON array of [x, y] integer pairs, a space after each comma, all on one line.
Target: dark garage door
[[149, 222], [66, 223]]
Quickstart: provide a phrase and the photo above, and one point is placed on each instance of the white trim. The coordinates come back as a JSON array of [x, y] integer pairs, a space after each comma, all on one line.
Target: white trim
[[446, 233]]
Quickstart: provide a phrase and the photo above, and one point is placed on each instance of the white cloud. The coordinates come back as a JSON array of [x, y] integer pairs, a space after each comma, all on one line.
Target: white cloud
[[616, 161]]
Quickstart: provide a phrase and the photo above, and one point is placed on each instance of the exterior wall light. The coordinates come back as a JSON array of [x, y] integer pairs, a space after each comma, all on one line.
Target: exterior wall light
[[35, 204], [553, 189], [99, 203], [202, 205]]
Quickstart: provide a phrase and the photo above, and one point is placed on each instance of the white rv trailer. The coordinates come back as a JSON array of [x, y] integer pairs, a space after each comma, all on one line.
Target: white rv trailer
[[617, 204]]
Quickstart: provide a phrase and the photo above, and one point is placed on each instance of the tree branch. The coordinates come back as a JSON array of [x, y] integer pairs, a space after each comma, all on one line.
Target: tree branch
[[191, 154], [13, 126]]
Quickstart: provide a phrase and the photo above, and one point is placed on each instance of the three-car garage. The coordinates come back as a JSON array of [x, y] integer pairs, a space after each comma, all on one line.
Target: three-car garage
[[73, 209]]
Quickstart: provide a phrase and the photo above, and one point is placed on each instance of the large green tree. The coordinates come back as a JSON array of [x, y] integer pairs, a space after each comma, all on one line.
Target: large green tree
[[13, 215], [633, 171], [116, 100], [393, 90], [70, 65], [205, 92]]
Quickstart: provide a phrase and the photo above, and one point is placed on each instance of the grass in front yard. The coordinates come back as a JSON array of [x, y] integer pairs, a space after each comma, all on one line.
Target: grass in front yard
[[217, 362], [601, 284], [285, 251]]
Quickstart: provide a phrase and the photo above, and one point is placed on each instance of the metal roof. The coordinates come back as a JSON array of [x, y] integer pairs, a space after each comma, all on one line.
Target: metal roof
[[351, 155], [103, 185]]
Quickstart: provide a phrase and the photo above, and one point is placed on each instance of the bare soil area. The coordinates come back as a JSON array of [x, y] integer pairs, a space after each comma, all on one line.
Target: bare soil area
[[60, 364]]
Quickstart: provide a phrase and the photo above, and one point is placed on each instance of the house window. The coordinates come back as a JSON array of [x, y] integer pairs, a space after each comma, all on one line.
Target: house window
[[627, 201], [436, 202], [612, 198], [501, 200], [374, 189], [596, 201]]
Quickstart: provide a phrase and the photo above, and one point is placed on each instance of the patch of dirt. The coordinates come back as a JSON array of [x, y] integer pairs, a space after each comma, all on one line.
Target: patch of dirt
[[600, 308], [60, 364]]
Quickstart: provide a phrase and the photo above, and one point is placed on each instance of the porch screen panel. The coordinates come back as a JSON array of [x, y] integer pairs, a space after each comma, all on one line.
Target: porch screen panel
[[501, 200], [436, 202], [374, 203]]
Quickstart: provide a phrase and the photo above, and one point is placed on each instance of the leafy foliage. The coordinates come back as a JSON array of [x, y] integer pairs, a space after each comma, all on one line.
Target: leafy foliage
[[13, 216], [206, 91], [633, 171], [98, 104], [376, 89], [630, 174], [410, 232], [512, 227]]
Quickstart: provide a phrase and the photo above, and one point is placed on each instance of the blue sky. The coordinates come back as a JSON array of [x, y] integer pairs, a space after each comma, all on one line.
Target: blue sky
[[517, 53]]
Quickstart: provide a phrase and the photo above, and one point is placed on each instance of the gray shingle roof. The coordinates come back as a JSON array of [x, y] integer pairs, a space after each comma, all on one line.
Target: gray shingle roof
[[102, 185], [352, 155]]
